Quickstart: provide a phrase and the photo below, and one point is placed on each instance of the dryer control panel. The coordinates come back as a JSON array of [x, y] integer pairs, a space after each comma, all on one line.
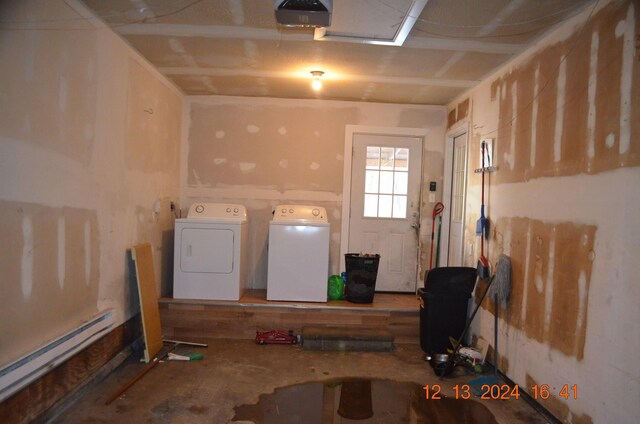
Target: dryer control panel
[[302, 213], [217, 211]]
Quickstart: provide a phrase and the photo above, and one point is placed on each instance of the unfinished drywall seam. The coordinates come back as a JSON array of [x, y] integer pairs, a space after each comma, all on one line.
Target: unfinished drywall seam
[[27, 257], [534, 119], [87, 252], [510, 157], [561, 87], [548, 293], [626, 28], [527, 272], [591, 94], [61, 251]]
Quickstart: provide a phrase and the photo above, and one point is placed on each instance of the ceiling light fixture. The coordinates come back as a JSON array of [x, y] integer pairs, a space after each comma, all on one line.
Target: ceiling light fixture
[[316, 84]]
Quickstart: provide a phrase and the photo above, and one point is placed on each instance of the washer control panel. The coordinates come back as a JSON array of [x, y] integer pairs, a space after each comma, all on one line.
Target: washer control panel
[[303, 213], [217, 211]]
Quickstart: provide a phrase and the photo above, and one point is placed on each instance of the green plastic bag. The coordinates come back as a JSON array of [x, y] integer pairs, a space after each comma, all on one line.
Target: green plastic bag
[[336, 288]]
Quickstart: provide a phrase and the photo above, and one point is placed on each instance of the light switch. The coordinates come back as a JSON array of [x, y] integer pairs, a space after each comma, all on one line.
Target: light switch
[[432, 197]]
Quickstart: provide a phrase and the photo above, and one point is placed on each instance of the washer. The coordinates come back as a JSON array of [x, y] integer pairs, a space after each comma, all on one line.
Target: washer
[[298, 265], [210, 252]]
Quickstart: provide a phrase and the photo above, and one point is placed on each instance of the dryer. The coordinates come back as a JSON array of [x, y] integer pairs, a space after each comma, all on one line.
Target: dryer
[[298, 264], [210, 252]]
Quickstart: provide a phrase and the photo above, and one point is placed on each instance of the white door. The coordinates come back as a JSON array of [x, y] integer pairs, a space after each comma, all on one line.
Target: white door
[[385, 206], [458, 200]]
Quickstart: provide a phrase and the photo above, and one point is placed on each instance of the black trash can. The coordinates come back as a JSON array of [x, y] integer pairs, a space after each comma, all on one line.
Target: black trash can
[[362, 272], [443, 310]]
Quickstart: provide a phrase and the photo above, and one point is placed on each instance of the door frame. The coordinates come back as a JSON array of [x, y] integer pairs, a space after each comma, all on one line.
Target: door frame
[[456, 131], [350, 131]]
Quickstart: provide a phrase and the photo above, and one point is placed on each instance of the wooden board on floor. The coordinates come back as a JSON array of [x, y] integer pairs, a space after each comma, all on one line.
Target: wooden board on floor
[[149, 309]]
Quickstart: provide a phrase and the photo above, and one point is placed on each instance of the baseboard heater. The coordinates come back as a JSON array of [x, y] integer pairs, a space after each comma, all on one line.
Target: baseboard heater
[[25, 370]]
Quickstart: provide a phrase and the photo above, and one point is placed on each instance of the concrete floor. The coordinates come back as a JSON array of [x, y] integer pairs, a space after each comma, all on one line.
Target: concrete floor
[[237, 372]]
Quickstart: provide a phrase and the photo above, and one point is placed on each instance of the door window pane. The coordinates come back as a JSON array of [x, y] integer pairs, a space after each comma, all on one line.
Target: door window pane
[[373, 157], [371, 181], [399, 206], [386, 182], [385, 206], [400, 182], [402, 160], [386, 157]]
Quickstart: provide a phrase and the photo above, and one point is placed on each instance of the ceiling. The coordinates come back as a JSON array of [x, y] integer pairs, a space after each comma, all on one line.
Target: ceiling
[[236, 48]]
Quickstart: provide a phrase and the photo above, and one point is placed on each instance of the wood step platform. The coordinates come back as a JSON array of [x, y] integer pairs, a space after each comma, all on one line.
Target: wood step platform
[[347, 339], [181, 319]]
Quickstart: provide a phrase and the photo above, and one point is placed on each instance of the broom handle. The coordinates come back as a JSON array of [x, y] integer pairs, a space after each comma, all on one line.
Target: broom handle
[[482, 206], [495, 335], [433, 226]]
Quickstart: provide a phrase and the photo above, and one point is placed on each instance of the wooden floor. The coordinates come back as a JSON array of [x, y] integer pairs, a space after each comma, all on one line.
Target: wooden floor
[[398, 313]]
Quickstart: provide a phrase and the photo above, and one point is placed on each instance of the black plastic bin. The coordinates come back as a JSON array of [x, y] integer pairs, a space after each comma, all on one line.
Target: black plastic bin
[[443, 310], [362, 272]]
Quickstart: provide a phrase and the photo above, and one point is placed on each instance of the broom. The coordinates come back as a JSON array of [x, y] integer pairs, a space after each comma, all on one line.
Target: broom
[[500, 290]]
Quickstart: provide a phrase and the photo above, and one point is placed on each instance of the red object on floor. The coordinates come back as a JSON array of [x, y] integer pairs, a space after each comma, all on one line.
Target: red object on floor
[[276, 337]]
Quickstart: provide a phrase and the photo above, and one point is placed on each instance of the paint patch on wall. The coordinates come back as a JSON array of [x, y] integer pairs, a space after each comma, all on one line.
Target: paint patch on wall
[[46, 291], [551, 272], [284, 163], [253, 129], [220, 134], [460, 112], [577, 103], [246, 166], [451, 118], [463, 109]]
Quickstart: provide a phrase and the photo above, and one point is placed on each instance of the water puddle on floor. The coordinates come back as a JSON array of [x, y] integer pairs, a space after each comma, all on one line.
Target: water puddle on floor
[[364, 400]]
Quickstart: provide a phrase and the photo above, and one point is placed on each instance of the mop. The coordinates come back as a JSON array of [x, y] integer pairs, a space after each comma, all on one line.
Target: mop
[[500, 290]]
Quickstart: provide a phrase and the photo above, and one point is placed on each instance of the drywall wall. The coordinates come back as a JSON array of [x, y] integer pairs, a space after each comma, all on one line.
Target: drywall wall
[[89, 141], [564, 205], [264, 152]]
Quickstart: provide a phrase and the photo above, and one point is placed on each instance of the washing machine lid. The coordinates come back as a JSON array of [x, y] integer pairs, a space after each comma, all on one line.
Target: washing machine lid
[[217, 212], [300, 214]]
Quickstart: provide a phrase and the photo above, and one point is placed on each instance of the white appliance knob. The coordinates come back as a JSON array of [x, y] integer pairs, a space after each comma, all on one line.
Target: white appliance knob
[[315, 212], [290, 210], [199, 208], [228, 210], [235, 210], [284, 211]]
